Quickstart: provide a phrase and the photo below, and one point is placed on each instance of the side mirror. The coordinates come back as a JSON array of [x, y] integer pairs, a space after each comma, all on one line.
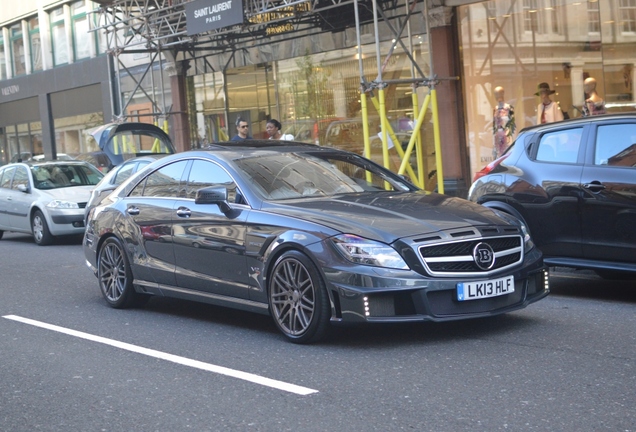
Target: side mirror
[[213, 195], [23, 188]]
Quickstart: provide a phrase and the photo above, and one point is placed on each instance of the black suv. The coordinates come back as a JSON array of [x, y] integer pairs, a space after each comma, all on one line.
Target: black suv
[[574, 184]]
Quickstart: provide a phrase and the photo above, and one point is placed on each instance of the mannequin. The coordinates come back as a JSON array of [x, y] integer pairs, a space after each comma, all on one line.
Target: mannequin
[[547, 111], [503, 123], [594, 104]]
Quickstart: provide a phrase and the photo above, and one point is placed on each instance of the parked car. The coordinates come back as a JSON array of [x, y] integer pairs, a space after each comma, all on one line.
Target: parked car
[[120, 142], [46, 199], [573, 183], [115, 177], [310, 235]]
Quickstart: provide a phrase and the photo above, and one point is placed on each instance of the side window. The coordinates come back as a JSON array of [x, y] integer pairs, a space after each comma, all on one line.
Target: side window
[[5, 182], [21, 177], [616, 145], [124, 173], [560, 146], [207, 174], [164, 182]]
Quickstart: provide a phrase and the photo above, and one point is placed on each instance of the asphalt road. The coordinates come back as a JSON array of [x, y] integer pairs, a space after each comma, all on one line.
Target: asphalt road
[[69, 363]]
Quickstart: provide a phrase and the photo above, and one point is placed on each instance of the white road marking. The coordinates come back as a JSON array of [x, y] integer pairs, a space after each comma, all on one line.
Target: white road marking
[[257, 379]]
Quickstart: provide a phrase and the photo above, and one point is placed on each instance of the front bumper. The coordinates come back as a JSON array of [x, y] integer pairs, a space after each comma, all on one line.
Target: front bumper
[[390, 298], [66, 221]]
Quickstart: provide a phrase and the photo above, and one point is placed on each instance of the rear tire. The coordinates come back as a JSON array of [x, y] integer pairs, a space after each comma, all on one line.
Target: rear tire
[[40, 229], [298, 298]]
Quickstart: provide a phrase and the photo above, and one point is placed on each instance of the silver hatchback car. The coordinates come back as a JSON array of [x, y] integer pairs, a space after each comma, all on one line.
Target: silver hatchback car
[[46, 199]]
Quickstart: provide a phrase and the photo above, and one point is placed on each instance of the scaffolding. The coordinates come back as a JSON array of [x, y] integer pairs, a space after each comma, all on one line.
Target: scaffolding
[[158, 28]]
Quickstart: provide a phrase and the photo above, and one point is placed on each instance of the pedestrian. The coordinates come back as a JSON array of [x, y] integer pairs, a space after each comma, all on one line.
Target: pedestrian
[[242, 129], [547, 111], [273, 128]]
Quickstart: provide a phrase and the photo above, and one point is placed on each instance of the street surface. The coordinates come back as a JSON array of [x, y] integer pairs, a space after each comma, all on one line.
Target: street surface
[[70, 363]]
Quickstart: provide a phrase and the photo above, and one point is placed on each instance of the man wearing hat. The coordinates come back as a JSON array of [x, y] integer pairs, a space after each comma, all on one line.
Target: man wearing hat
[[547, 111]]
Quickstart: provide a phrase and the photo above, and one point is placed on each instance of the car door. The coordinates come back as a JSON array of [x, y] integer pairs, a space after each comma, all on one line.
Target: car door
[[5, 196], [21, 200], [149, 211], [609, 182], [551, 197], [210, 244]]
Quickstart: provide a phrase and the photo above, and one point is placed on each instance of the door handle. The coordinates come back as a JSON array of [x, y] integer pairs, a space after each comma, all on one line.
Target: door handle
[[594, 186], [184, 212], [133, 211]]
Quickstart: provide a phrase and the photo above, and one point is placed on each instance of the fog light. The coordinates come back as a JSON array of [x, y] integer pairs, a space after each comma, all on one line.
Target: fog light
[[78, 224], [546, 280], [366, 306]]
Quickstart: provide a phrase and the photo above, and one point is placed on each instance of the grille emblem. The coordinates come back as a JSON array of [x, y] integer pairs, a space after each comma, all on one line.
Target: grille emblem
[[484, 256]]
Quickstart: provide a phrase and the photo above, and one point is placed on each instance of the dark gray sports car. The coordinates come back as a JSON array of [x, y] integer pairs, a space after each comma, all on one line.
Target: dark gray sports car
[[310, 235]]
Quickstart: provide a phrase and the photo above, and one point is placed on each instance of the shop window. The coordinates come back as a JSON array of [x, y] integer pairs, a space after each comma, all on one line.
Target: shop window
[[3, 61], [35, 44], [58, 34], [81, 37], [530, 16], [593, 17], [627, 14], [555, 23], [17, 50]]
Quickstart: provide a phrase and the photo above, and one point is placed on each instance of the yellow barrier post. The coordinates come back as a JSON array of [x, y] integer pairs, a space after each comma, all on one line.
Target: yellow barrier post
[[398, 147], [409, 148], [383, 123], [438, 145], [420, 151], [365, 124]]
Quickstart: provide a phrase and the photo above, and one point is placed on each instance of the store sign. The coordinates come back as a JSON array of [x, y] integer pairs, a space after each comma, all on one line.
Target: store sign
[[282, 13], [9, 90], [206, 15]]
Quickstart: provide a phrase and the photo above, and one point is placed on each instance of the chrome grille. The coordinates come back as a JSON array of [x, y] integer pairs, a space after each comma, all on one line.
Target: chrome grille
[[456, 257]]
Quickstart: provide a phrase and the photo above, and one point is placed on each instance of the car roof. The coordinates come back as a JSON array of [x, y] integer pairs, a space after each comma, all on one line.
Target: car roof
[[581, 120], [49, 163], [260, 144]]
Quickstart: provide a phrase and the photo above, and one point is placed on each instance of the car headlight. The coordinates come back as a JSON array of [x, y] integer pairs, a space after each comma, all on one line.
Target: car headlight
[[527, 240], [59, 204], [364, 251]]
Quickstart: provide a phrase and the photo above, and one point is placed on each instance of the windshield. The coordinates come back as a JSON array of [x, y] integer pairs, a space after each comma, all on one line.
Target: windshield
[[297, 175], [56, 176]]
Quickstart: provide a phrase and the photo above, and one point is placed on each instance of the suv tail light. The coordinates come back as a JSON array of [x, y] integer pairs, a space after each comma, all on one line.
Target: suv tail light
[[490, 167]]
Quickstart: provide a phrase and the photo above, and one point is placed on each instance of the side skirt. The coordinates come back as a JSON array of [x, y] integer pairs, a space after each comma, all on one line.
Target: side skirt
[[146, 287]]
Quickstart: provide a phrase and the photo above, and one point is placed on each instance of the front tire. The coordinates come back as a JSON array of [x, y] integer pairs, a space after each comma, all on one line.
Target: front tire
[[115, 277], [40, 229], [298, 298]]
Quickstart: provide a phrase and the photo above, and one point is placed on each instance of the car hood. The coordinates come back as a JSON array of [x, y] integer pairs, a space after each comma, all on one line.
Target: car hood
[[389, 216], [77, 194]]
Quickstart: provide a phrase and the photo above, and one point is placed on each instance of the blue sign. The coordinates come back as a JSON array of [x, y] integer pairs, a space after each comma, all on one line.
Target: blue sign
[[206, 15]]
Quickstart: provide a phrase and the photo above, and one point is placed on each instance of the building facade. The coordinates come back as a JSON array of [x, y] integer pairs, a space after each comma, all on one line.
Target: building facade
[[58, 80]]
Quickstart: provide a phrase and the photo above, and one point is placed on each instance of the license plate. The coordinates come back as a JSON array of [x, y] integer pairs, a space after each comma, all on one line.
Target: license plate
[[485, 289]]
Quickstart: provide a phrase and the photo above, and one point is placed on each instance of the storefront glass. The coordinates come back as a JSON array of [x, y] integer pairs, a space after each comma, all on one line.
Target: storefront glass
[[72, 134], [316, 97], [518, 44]]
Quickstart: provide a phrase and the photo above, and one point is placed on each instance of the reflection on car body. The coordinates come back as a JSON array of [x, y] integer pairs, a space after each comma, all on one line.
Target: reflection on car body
[[312, 236]]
